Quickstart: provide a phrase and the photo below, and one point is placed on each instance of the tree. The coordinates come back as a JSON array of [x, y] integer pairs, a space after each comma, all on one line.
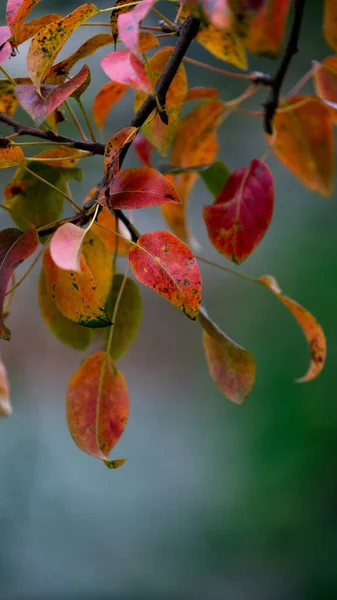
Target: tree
[[80, 288]]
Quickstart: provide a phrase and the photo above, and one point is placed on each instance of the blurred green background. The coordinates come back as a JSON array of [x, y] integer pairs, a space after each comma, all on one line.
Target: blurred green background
[[216, 501]]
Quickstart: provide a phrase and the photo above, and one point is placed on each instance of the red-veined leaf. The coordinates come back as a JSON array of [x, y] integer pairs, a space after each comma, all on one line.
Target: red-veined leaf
[[129, 315], [231, 367], [240, 216], [159, 133], [127, 69], [105, 99], [330, 23], [113, 148], [325, 80], [310, 327], [39, 107], [128, 25], [267, 29], [15, 247], [143, 149], [304, 141], [11, 156], [166, 265], [49, 41], [66, 331], [97, 405], [139, 188], [5, 404]]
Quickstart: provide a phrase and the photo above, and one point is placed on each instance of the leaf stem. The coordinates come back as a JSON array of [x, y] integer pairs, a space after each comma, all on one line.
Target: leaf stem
[[76, 121], [113, 8], [7, 75], [77, 208], [87, 120], [163, 18], [29, 270], [202, 65], [250, 278]]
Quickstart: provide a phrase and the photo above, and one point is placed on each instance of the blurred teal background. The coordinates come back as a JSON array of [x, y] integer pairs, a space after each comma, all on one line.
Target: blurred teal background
[[216, 501]]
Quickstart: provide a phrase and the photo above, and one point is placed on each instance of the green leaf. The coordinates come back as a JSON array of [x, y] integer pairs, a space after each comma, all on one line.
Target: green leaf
[[129, 315], [215, 177]]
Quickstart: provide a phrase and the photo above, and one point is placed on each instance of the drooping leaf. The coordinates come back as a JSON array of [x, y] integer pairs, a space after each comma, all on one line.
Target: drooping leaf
[[31, 28], [330, 23], [113, 148], [219, 13], [8, 100], [61, 157], [97, 256], [66, 247], [158, 133], [5, 34], [76, 294], [66, 331], [139, 188], [49, 41], [128, 25], [59, 72], [33, 202], [105, 99], [114, 17], [166, 265], [305, 141], [201, 93], [123, 67], [267, 29], [310, 327], [231, 367], [240, 216], [12, 156], [97, 405], [112, 241], [16, 12], [325, 80], [215, 177], [15, 247], [40, 106], [143, 149], [147, 41], [129, 315], [5, 403], [5, 52], [225, 45]]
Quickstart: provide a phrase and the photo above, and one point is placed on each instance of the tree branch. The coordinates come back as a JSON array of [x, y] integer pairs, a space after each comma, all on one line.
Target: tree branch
[[275, 82]]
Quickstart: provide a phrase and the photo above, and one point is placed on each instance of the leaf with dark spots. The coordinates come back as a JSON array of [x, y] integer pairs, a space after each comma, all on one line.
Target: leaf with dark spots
[[128, 25], [166, 265], [15, 247], [113, 148]]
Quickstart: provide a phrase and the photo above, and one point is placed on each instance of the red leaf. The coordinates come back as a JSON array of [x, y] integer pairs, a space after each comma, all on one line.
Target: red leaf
[[139, 188], [325, 80], [52, 96], [128, 25], [97, 405], [330, 23], [230, 366], [166, 265], [241, 214], [218, 12], [113, 148], [143, 149], [267, 28], [15, 247], [5, 404], [127, 69]]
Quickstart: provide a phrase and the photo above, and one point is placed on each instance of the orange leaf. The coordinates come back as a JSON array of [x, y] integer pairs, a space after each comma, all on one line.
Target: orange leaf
[[166, 265], [201, 93], [68, 157], [49, 41], [159, 134], [325, 80], [30, 29], [11, 157], [105, 99], [140, 188], [147, 41], [310, 327], [218, 12], [127, 69], [225, 45], [15, 247], [240, 216], [230, 366], [330, 23], [305, 141], [16, 13], [113, 148], [97, 405], [8, 100], [267, 29], [109, 221], [5, 404]]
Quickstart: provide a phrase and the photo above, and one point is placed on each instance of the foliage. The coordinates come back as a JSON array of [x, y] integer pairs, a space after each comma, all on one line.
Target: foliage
[[80, 287]]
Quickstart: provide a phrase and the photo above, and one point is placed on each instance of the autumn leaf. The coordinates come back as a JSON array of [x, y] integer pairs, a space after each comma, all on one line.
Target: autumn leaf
[[225, 45], [330, 23], [66, 331], [325, 80], [40, 106], [61, 157], [128, 25], [119, 9], [97, 405], [305, 141], [147, 41], [15, 247], [166, 265], [8, 100], [16, 12], [5, 404], [30, 29], [267, 29], [143, 149], [49, 41], [310, 327], [113, 148], [11, 156], [105, 99], [240, 216], [66, 247], [105, 226], [201, 93], [129, 315], [158, 133], [219, 13], [139, 188], [215, 177], [5, 47], [125, 68], [231, 367]]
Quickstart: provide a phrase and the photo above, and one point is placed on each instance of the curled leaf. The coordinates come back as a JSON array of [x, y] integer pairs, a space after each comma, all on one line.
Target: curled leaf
[[311, 328], [125, 68], [231, 367], [97, 405], [113, 148], [128, 25], [325, 80], [166, 265], [5, 404], [59, 72]]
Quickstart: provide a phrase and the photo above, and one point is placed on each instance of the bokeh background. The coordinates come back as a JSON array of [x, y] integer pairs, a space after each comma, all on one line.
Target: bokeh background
[[215, 501]]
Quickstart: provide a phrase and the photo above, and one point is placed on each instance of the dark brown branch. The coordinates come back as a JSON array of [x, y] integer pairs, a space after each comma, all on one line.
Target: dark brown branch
[[275, 82]]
